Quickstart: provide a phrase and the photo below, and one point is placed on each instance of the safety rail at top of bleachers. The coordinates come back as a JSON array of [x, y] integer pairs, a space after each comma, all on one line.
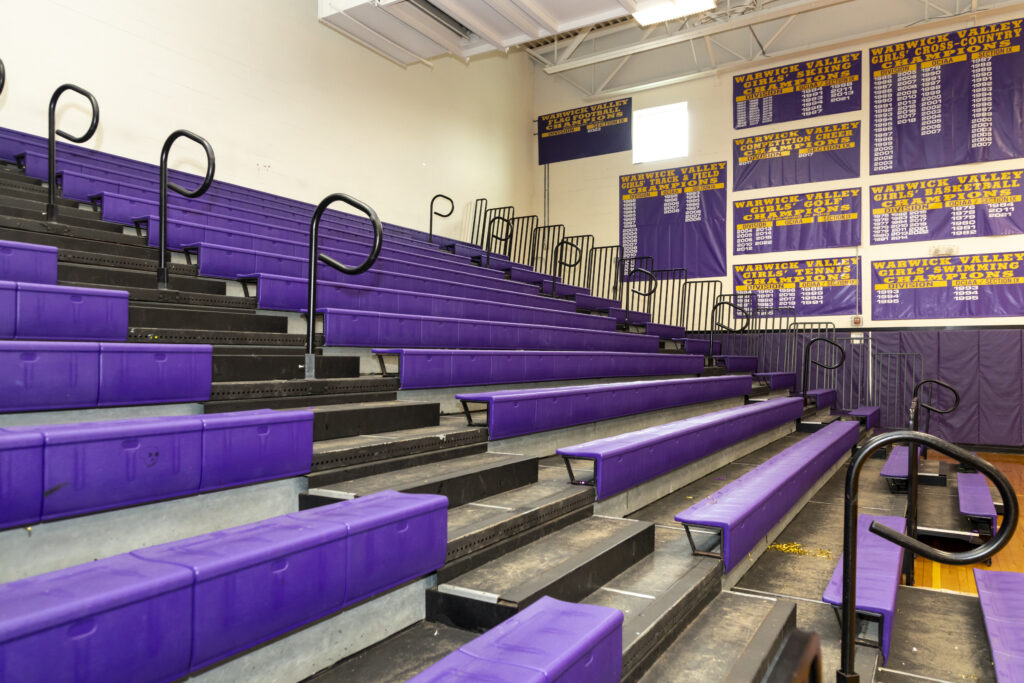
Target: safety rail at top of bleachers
[[916, 405], [51, 201], [491, 235], [603, 278], [562, 261], [542, 247], [314, 257], [632, 290], [808, 361], [699, 298], [736, 308], [211, 166], [667, 306], [847, 672], [433, 213]]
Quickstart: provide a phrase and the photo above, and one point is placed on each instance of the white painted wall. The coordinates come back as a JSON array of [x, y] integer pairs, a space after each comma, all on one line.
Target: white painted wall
[[290, 106], [584, 192]]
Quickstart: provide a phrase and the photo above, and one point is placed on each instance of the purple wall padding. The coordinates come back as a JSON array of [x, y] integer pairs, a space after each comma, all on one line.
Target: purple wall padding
[[958, 365], [1000, 386], [926, 343]]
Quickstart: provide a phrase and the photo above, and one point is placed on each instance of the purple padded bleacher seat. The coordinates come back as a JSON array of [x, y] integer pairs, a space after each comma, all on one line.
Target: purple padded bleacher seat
[[429, 368], [154, 373], [8, 309], [21, 478], [549, 641], [701, 346], [746, 509], [897, 465], [627, 460], [516, 412], [879, 565], [737, 363], [975, 499], [56, 312], [258, 445], [27, 262], [870, 416], [777, 380], [115, 619], [48, 375], [823, 398], [1002, 606]]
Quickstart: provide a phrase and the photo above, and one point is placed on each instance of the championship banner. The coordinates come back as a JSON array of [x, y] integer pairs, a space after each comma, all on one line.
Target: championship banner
[[677, 217], [585, 132], [974, 285], [951, 98], [975, 205], [804, 155], [812, 287], [814, 220], [818, 87]]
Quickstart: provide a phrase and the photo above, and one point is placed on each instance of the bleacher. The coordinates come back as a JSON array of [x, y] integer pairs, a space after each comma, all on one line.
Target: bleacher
[[455, 466]]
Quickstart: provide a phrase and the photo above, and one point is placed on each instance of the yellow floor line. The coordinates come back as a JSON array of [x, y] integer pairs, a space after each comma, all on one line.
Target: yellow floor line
[[936, 575]]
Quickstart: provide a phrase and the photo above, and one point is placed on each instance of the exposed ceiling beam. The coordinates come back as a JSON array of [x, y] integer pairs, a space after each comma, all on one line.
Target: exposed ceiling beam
[[622, 62], [741, 21], [351, 36], [538, 14], [927, 3], [711, 52], [789, 20], [628, 5], [409, 15], [576, 41], [471, 21], [384, 39], [546, 62], [517, 17]]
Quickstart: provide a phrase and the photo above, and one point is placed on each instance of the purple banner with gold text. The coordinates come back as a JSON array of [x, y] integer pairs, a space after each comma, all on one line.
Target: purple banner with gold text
[[804, 155], [814, 220], [585, 132], [809, 287]]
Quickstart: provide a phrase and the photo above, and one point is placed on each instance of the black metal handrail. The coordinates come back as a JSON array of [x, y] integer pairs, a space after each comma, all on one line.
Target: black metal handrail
[[211, 165], [501, 238], [652, 281], [913, 465], [51, 200], [808, 361], [714, 322], [3, 76], [846, 672], [562, 262], [438, 213], [314, 257]]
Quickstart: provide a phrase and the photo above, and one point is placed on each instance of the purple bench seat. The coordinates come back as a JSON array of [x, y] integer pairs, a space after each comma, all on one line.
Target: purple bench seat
[[665, 331], [879, 565], [595, 303], [777, 380], [27, 262], [746, 509], [361, 298], [897, 465], [524, 274], [701, 346], [563, 289], [429, 368], [91, 466], [157, 613], [516, 412], [1002, 606], [368, 328], [62, 375], [737, 363], [56, 312], [975, 500], [627, 460], [635, 317], [823, 398], [549, 641], [869, 416]]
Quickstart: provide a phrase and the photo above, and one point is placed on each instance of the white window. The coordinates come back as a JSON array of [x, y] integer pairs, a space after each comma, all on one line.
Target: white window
[[661, 133]]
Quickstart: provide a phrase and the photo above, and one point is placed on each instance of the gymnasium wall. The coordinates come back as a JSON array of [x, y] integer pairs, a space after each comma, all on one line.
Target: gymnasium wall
[[584, 193], [290, 106]]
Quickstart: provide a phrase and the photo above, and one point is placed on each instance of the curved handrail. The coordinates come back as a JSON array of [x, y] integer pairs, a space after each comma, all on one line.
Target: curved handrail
[[714, 309], [438, 213], [211, 166], [314, 257], [51, 200], [916, 405], [501, 238], [3, 76], [651, 279], [999, 539], [808, 360]]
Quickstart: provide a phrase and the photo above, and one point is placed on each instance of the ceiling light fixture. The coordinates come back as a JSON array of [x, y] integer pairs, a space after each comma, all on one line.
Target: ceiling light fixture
[[666, 10]]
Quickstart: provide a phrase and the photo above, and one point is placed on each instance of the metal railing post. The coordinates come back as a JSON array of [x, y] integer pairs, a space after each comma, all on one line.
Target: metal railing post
[[51, 201], [437, 213], [501, 238], [651, 279], [162, 277], [314, 258], [808, 361], [714, 323]]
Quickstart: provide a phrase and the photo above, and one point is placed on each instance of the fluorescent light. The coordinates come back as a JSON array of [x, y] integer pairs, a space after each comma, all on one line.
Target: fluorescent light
[[666, 10]]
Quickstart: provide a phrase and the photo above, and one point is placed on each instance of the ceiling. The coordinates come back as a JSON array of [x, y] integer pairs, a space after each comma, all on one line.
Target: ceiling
[[597, 46]]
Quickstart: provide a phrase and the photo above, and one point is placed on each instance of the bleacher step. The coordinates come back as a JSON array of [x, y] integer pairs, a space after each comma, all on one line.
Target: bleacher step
[[215, 337], [173, 296], [254, 366], [160, 315], [279, 388], [32, 209], [129, 262], [93, 275], [735, 638], [568, 564], [64, 237], [462, 480]]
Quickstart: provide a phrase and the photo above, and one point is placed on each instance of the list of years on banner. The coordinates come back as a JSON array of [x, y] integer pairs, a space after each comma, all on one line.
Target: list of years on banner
[[669, 184], [962, 275], [759, 222], [913, 83], [829, 85], [801, 143], [900, 211], [796, 284], [592, 119]]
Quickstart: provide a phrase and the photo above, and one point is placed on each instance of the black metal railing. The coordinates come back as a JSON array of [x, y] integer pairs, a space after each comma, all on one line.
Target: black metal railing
[[315, 257], [211, 165], [574, 274], [522, 230], [667, 306], [542, 247], [562, 261], [491, 236], [3, 76], [736, 308], [699, 298], [603, 278], [808, 361], [847, 672], [433, 213], [51, 202], [631, 289], [916, 405]]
